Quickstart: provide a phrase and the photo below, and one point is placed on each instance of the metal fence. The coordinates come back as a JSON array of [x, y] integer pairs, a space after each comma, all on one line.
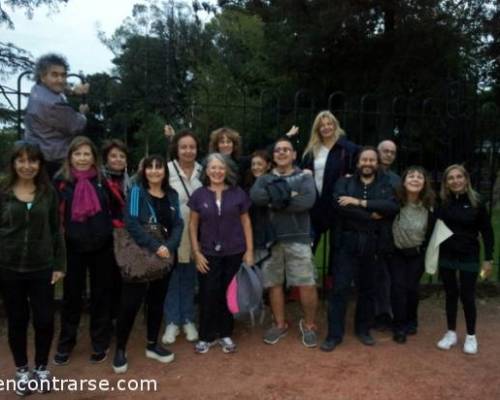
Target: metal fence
[[433, 132]]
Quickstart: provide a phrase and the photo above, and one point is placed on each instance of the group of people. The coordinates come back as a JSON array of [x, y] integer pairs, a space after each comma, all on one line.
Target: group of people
[[60, 207]]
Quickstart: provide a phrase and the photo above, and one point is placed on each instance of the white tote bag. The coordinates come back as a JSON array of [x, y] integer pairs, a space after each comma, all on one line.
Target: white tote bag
[[440, 233]]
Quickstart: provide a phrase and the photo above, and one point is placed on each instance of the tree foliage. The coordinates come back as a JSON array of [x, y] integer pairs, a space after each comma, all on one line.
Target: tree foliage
[[178, 67], [13, 58]]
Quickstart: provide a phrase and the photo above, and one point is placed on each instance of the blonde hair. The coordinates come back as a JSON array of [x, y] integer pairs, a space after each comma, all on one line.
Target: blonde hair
[[445, 193], [315, 140], [232, 135], [77, 142]]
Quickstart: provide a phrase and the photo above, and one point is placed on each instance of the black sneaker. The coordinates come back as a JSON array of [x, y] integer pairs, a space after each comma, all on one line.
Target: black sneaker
[[383, 323], [120, 364], [366, 339], [411, 328], [61, 358], [44, 379], [329, 345], [399, 337], [97, 358], [23, 378], [159, 353]]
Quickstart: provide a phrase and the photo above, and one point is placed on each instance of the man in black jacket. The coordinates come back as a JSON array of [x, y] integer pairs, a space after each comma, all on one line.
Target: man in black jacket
[[365, 205]]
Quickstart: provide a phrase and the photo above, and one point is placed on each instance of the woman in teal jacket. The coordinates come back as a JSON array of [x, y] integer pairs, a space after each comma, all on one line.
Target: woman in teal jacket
[[33, 260]]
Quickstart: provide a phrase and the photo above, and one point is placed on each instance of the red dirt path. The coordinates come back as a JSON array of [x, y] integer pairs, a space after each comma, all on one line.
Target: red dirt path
[[288, 371]]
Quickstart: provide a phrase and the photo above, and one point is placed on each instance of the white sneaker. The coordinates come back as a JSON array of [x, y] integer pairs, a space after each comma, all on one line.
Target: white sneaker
[[171, 332], [227, 344], [190, 331], [44, 378], [470, 344], [448, 341]]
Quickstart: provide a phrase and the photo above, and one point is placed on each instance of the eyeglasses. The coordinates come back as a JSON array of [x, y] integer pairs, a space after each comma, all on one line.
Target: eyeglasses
[[285, 150]]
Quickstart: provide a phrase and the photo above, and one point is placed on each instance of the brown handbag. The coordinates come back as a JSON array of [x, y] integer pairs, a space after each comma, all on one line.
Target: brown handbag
[[138, 264]]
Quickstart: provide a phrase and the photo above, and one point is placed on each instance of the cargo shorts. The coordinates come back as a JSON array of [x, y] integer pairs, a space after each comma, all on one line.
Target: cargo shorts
[[295, 260]]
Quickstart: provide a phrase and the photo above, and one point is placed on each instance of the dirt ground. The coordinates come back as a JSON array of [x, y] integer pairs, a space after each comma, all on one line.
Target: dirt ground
[[289, 371]]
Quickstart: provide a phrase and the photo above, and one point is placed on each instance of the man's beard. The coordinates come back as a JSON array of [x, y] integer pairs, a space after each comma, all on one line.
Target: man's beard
[[365, 174]]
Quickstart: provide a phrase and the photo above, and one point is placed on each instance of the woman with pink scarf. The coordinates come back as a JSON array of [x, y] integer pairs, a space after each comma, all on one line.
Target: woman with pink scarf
[[86, 219]]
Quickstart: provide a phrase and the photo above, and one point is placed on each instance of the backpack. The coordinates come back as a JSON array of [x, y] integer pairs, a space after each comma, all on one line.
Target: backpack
[[244, 293]]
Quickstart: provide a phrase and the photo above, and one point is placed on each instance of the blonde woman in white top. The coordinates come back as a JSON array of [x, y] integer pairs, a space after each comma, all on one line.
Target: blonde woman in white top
[[184, 173]]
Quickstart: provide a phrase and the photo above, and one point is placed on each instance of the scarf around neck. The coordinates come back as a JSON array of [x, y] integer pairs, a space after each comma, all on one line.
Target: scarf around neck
[[85, 201]]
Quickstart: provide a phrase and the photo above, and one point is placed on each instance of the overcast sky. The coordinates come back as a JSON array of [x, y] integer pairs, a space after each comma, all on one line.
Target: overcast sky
[[72, 32]]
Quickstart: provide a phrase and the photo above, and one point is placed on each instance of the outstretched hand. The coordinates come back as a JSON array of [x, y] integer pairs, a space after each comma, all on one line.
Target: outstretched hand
[[56, 276], [81, 89], [294, 130], [168, 131]]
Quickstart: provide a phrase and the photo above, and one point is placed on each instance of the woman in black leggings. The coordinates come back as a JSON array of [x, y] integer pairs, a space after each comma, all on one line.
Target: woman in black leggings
[[151, 199], [33, 260], [463, 212], [411, 231]]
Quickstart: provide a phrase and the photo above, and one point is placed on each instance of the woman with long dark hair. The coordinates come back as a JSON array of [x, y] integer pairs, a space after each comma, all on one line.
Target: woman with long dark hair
[[411, 231], [151, 198], [32, 261], [466, 216], [86, 216]]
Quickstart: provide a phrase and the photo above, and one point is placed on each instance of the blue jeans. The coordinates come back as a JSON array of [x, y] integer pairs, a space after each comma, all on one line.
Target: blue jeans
[[179, 302]]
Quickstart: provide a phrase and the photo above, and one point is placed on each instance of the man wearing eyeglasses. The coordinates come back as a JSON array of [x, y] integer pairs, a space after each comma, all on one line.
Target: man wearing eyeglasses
[[50, 121], [289, 193]]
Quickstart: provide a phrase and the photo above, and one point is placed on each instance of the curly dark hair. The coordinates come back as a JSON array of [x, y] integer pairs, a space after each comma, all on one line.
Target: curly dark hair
[[174, 145], [111, 144], [217, 135], [426, 196], [46, 61]]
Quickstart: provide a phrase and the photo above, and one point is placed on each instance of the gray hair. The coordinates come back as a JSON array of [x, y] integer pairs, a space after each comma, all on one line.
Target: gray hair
[[231, 169], [46, 61]]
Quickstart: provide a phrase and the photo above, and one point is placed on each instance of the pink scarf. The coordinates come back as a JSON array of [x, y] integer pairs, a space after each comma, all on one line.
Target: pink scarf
[[85, 200]]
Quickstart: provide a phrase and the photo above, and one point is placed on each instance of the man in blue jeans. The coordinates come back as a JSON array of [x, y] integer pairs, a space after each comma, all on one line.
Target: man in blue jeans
[[365, 205]]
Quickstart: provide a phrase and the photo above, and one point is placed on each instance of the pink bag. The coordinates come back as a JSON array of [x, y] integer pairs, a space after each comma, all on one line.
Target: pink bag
[[244, 293]]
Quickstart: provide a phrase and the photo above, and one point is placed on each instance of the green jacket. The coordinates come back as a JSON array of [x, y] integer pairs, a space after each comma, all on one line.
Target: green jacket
[[31, 240]]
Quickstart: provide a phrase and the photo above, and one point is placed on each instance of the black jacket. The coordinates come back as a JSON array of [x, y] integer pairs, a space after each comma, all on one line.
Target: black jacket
[[466, 223], [380, 198], [97, 231], [341, 160], [31, 240]]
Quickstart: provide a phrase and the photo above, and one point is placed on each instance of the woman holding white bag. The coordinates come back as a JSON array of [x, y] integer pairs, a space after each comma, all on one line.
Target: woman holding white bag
[[466, 216]]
